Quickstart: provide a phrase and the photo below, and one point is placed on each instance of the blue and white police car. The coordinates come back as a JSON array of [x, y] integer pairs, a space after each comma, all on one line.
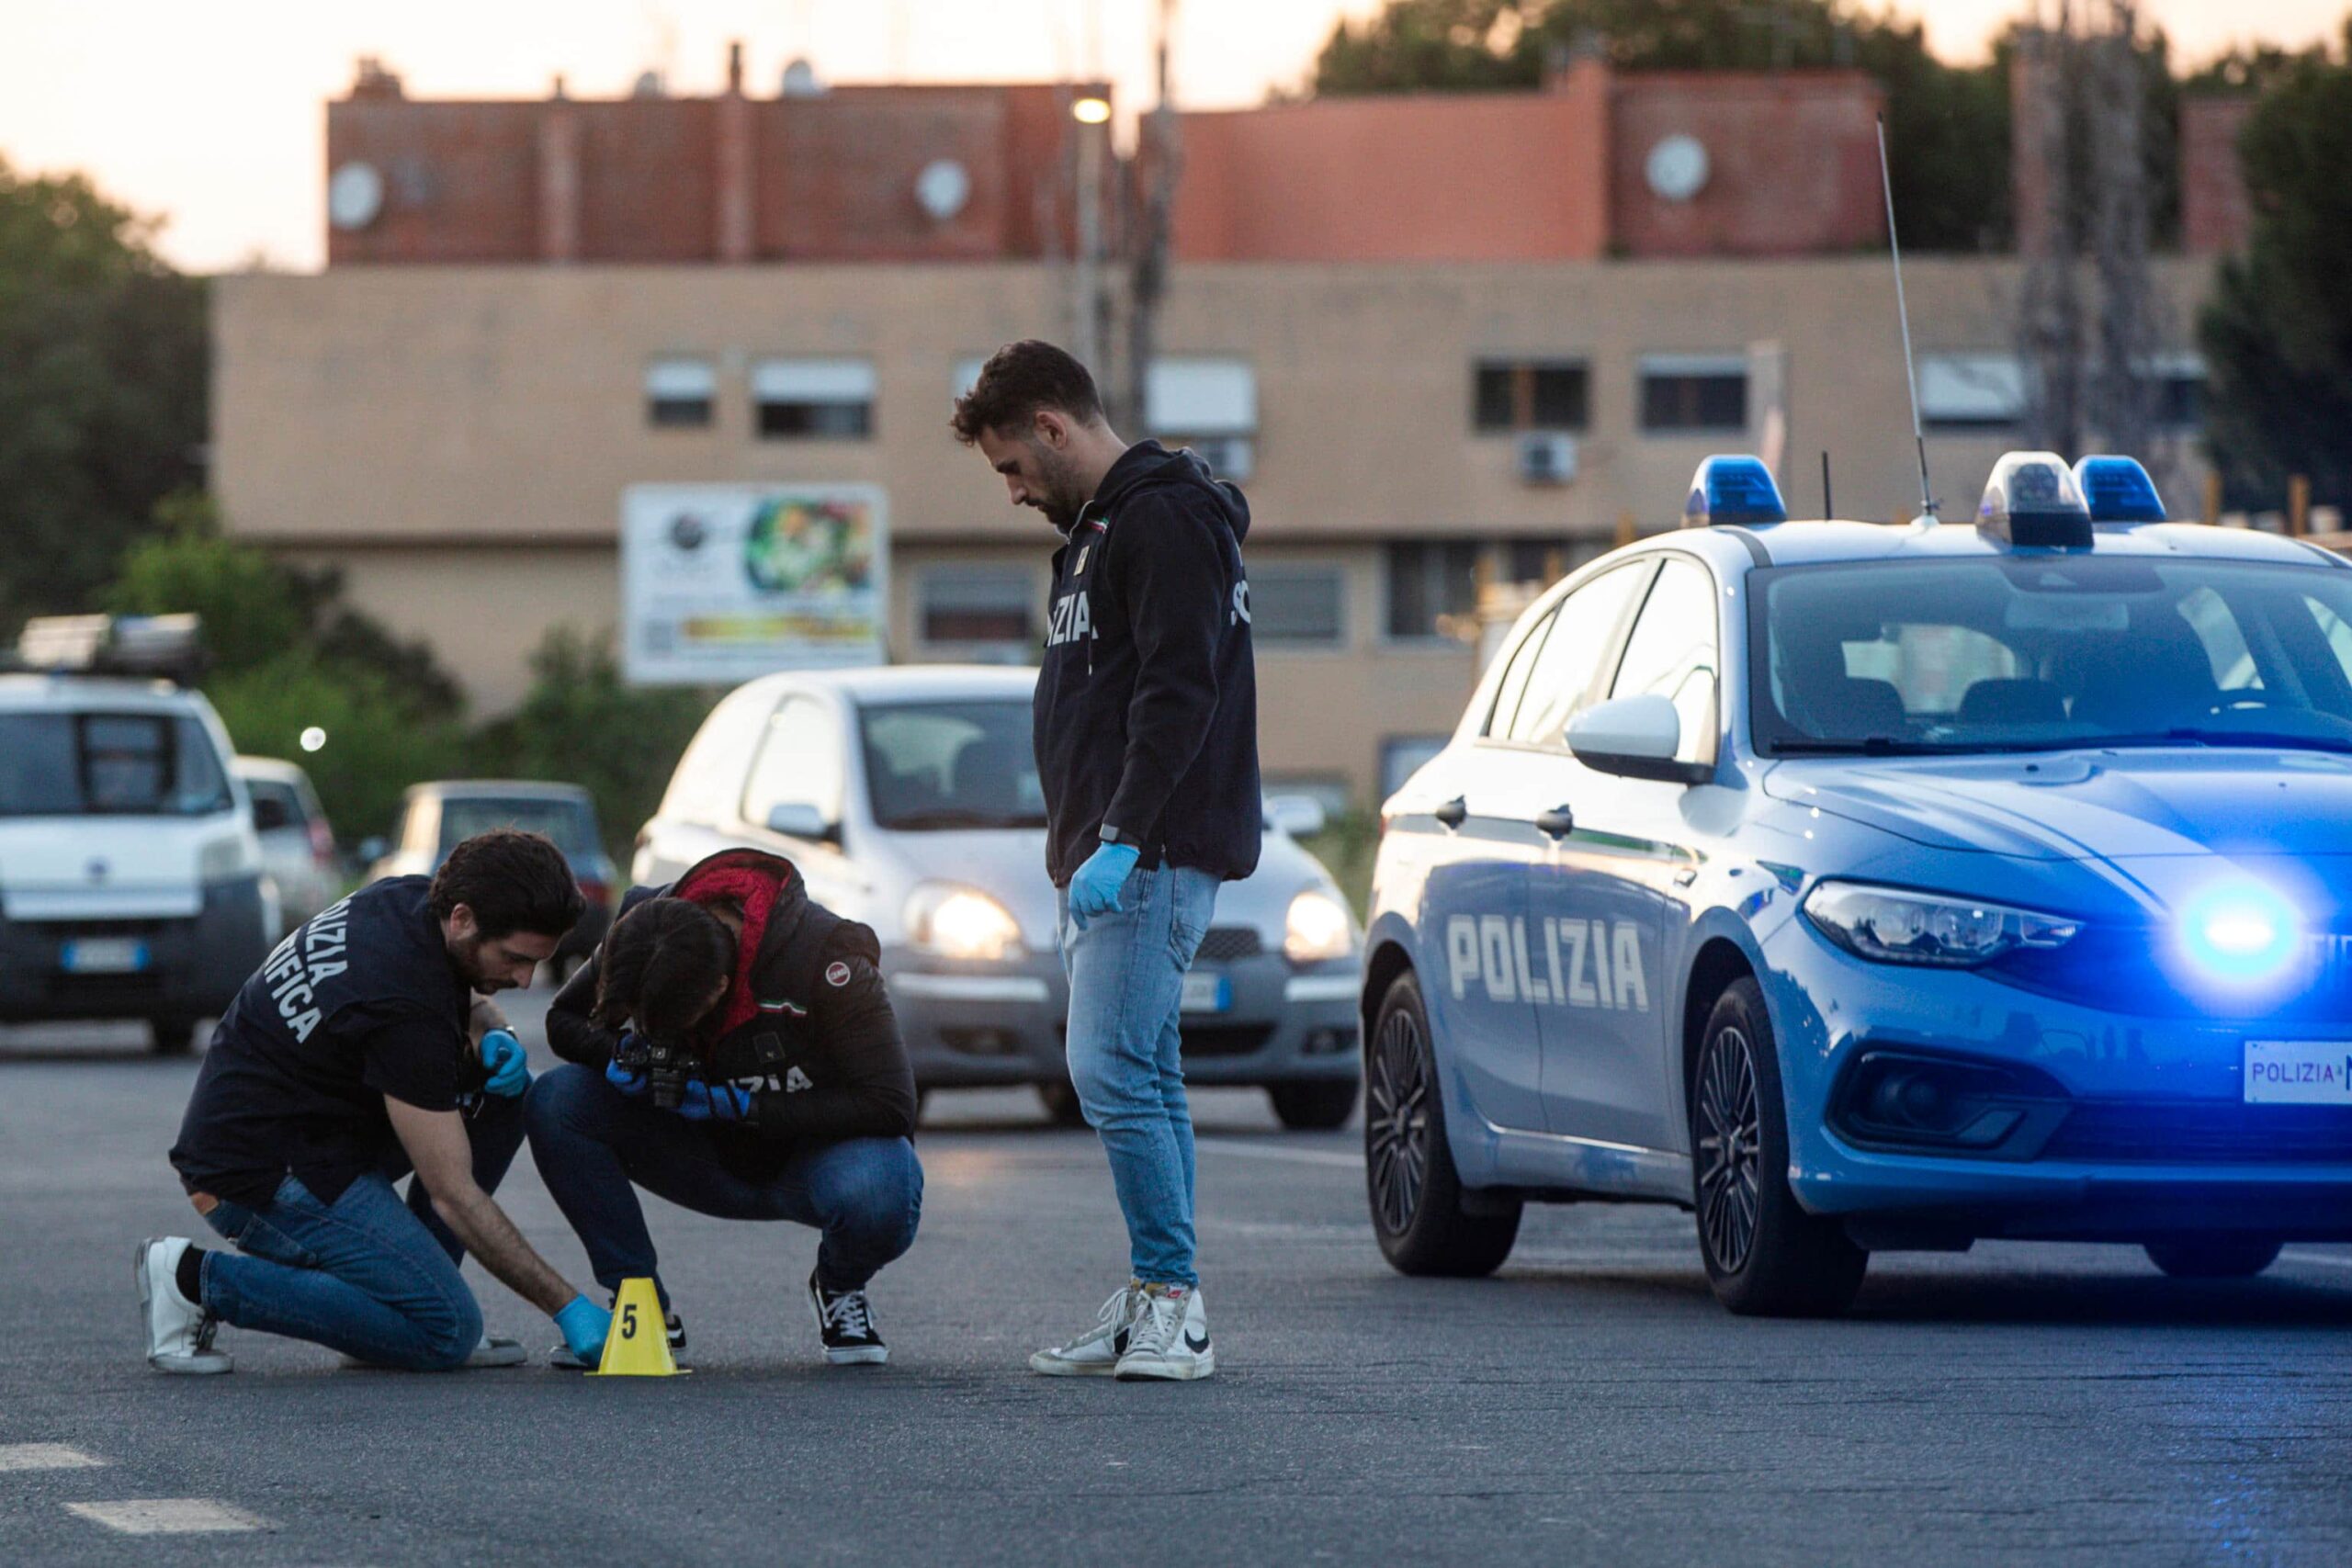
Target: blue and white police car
[[1869, 889]]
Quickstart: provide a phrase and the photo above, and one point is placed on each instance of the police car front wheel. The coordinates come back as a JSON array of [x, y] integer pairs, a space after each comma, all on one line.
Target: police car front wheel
[[1765, 1256], [1418, 1201]]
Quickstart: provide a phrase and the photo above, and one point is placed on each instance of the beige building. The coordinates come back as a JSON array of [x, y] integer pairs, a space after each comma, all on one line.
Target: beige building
[[456, 438]]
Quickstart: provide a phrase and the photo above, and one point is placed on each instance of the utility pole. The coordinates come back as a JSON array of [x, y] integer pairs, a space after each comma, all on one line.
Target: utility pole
[[1162, 163]]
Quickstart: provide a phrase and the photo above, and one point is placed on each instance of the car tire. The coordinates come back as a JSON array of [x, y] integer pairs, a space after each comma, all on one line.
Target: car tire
[[171, 1036], [1418, 1213], [1061, 1098], [2230, 1258], [1314, 1106], [1765, 1256]]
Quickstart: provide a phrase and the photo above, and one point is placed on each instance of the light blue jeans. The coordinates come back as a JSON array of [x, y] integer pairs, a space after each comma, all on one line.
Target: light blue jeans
[[1126, 990]]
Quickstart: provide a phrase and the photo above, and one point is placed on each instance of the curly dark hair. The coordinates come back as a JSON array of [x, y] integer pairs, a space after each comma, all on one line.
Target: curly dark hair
[[513, 881], [1019, 379], [660, 966]]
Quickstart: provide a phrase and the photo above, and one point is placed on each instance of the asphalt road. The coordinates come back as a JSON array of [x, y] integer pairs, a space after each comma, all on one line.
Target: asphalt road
[[1591, 1404]]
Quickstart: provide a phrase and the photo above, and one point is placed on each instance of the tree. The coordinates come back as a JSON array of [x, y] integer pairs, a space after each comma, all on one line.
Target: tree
[[581, 723], [102, 388], [286, 656], [1947, 126], [2278, 330]]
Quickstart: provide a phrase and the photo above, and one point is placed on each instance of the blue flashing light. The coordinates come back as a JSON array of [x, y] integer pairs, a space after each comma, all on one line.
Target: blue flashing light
[[1734, 489], [2031, 501], [2118, 489], [2241, 934]]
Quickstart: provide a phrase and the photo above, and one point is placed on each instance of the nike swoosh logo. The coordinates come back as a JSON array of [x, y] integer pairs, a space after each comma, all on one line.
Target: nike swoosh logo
[[1196, 1345]]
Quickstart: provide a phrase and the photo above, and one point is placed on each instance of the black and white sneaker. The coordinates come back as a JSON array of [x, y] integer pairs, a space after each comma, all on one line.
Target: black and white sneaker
[[178, 1331], [845, 1322], [563, 1360], [1096, 1352], [1171, 1337], [495, 1351]]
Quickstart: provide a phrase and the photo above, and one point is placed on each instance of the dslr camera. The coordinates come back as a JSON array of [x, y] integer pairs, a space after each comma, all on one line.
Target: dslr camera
[[667, 1064]]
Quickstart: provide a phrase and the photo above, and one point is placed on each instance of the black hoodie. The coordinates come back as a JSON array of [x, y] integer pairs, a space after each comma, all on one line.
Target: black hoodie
[[1147, 706]]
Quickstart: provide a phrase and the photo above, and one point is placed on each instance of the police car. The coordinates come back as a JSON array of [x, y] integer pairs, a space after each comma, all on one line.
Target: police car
[[1869, 888]]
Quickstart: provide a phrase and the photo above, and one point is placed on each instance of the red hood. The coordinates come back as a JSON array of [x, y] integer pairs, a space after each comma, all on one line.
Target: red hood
[[756, 882]]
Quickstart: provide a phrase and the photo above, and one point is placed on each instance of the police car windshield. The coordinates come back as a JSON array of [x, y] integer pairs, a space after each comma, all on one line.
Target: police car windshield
[[130, 764], [2049, 653], [942, 765]]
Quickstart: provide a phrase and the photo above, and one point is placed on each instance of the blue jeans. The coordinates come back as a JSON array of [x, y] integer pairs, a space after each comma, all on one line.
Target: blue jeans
[[370, 1274], [1126, 991], [595, 1147]]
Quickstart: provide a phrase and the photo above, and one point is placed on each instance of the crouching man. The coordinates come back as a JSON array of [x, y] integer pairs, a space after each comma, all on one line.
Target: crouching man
[[362, 1050], [733, 1051]]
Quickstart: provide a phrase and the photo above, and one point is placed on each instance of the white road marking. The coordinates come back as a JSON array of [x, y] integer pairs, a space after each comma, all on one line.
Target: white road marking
[[45, 1456], [2325, 1260], [1267, 1151], [168, 1516]]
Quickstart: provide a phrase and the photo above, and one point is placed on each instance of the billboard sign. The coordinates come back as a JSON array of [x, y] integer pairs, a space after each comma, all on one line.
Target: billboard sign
[[723, 582]]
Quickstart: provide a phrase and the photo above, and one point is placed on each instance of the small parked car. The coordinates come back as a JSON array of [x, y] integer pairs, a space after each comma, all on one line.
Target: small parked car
[[297, 844], [908, 797], [436, 817]]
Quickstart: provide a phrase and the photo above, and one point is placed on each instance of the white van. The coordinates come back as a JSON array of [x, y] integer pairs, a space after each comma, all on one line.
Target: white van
[[131, 876]]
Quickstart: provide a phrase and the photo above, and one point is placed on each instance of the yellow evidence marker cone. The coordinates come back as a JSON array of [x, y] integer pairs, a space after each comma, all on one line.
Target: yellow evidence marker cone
[[638, 1345]]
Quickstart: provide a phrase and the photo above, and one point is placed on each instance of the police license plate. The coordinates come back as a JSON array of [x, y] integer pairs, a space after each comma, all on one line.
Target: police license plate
[[2299, 1072], [105, 956], [1207, 992]]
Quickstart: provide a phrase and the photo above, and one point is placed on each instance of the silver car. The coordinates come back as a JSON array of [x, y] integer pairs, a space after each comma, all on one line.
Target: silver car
[[908, 798], [297, 844]]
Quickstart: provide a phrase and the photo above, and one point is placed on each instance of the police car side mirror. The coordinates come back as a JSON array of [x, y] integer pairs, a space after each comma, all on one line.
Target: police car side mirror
[[1635, 738], [798, 819]]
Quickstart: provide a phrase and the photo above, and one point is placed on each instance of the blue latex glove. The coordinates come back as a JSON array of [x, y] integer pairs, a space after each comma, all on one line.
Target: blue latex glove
[[510, 1070], [585, 1325], [715, 1103], [628, 1083], [1094, 890]]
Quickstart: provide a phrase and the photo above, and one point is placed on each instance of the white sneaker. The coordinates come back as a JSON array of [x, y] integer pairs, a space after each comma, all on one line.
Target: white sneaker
[[179, 1331], [495, 1351], [1171, 1337], [1096, 1352]]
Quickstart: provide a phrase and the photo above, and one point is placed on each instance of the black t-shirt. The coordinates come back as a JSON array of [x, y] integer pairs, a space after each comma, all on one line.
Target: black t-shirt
[[357, 1003]]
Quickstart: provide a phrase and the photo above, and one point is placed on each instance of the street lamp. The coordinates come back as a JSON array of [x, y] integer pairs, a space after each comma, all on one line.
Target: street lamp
[[1090, 111]]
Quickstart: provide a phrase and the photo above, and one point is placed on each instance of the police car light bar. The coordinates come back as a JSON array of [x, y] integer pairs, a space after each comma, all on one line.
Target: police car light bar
[[2118, 489], [170, 647], [1733, 489], [2032, 502]]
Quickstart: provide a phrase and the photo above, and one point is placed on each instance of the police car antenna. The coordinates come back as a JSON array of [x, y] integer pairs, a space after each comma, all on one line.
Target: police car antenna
[[1902, 314]]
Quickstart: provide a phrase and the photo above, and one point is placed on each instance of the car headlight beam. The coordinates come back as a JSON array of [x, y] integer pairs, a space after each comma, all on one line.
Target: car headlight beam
[[960, 922], [1900, 925], [1316, 929]]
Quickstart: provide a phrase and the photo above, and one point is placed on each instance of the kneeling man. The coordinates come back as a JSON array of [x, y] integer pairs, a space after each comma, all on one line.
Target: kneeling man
[[796, 1102], [358, 1053]]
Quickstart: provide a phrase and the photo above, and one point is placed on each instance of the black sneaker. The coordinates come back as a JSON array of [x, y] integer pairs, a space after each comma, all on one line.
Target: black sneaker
[[563, 1360], [845, 1320]]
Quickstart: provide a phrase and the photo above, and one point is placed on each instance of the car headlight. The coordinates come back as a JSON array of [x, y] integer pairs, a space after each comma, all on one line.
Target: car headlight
[[960, 922], [1317, 928], [1895, 925]]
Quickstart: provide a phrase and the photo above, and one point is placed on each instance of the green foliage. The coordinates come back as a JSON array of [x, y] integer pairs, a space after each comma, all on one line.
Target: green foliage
[[102, 388], [583, 725], [1948, 127], [2278, 331], [1347, 846], [376, 745]]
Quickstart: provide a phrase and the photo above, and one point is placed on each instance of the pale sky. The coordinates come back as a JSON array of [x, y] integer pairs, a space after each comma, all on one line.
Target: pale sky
[[212, 113]]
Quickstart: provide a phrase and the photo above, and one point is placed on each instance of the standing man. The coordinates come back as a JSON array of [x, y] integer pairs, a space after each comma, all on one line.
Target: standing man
[[357, 1053], [1147, 737]]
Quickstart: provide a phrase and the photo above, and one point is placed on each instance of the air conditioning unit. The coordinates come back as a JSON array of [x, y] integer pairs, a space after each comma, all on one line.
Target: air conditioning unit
[[1545, 456], [1233, 458]]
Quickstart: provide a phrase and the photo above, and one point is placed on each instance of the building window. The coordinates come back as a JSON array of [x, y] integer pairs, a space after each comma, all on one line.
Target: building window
[[984, 606], [1298, 606], [1508, 395], [813, 400], [2179, 401], [1694, 393], [1210, 405], [679, 393], [1430, 579], [1401, 756], [1961, 393]]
